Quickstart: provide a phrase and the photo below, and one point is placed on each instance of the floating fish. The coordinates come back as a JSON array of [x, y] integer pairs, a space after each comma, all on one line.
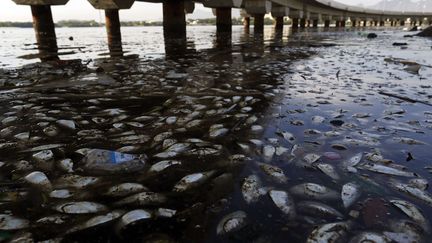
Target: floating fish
[[329, 233], [411, 211], [125, 189], [350, 194], [274, 172], [132, 217], [413, 191], [193, 180], [39, 180], [328, 170], [371, 237], [80, 207], [143, 199], [318, 209], [162, 165], [387, 170], [251, 189], [9, 222], [284, 202], [231, 223], [314, 191], [96, 221]]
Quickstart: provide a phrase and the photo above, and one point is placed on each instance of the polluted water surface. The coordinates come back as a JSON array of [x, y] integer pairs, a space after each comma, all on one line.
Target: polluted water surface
[[314, 137]]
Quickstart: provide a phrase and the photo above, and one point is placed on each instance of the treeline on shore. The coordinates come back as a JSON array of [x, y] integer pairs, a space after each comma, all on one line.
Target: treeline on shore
[[92, 23]]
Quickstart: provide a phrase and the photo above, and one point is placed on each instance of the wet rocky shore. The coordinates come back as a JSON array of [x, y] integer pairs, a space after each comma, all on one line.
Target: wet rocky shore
[[321, 136]]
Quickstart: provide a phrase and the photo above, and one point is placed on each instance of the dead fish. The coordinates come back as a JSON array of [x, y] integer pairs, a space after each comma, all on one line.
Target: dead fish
[[421, 184], [162, 165], [318, 209], [329, 233], [51, 131], [69, 124], [274, 172], [39, 180], [96, 221], [125, 189], [387, 170], [412, 211], [192, 181], [311, 158], [75, 181], [268, 152], [353, 161], [9, 222], [314, 191], [66, 165], [43, 156], [232, 223], [318, 119], [251, 189], [409, 141], [289, 137], [281, 150], [370, 237], [350, 194], [217, 131], [133, 217], [143, 199], [165, 213], [413, 191], [328, 170], [80, 207], [284, 202], [53, 219], [61, 194]]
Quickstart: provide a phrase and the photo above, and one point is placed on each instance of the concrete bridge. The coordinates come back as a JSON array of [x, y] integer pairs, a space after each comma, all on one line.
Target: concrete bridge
[[303, 14]]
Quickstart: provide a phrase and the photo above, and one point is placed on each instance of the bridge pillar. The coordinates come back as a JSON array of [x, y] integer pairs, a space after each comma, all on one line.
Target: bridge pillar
[[402, 22], [246, 22], [353, 23], [343, 23], [223, 20], [279, 12], [365, 23], [174, 19], [279, 23], [327, 23], [112, 22], [302, 23], [315, 23], [295, 23], [43, 25], [258, 23], [382, 23]]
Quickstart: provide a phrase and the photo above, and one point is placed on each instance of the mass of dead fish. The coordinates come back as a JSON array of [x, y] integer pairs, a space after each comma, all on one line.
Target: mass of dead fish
[[174, 158]]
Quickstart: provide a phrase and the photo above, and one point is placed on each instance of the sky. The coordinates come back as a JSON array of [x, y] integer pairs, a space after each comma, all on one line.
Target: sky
[[82, 10]]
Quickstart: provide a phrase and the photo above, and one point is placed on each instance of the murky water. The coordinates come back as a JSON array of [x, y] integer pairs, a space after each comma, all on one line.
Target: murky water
[[250, 124]]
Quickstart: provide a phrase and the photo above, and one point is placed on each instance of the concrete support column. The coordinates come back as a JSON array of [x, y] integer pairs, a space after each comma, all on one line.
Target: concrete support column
[[353, 23], [338, 23], [174, 19], [295, 23], [258, 23], [279, 23], [382, 23], [365, 23], [112, 22], [327, 24], [303, 23], [343, 23], [420, 23], [43, 25], [402, 23], [223, 20], [315, 23], [246, 22]]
